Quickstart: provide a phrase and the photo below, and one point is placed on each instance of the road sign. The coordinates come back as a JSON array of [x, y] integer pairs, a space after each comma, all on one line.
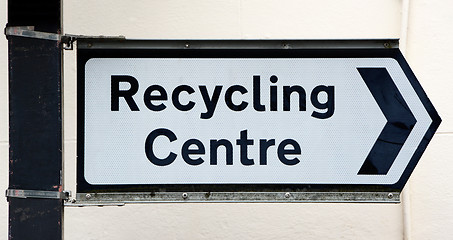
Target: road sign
[[248, 116]]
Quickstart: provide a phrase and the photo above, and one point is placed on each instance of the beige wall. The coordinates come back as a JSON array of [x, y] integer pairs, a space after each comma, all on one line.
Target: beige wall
[[426, 211]]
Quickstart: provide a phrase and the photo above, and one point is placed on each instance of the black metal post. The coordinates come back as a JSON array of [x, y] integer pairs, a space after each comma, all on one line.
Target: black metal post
[[35, 121]]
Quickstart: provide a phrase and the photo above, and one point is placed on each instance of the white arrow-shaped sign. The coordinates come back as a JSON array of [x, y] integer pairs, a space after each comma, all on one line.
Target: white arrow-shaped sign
[[355, 117]]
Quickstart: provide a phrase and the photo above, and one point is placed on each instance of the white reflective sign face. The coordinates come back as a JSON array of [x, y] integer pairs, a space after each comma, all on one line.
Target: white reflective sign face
[[238, 121]]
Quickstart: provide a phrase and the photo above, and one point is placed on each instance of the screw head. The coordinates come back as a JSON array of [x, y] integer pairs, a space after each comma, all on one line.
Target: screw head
[[88, 196], [390, 195], [287, 195], [187, 45]]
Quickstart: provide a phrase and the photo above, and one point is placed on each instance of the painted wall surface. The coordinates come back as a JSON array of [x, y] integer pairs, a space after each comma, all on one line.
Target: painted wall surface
[[425, 30]]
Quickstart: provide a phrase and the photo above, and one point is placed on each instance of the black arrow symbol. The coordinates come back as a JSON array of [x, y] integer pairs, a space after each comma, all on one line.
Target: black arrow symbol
[[400, 121]]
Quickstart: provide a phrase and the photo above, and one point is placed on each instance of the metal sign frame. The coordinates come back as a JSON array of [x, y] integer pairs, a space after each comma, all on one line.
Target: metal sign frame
[[103, 194]]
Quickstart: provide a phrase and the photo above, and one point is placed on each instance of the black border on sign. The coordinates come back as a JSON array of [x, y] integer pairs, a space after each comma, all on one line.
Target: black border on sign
[[83, 55]]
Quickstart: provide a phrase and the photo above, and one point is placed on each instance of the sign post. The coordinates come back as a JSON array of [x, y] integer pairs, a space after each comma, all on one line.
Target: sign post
[[243, 116], [35, 193]]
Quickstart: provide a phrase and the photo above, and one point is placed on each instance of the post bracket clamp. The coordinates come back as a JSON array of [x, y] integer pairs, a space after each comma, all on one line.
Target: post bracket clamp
[[20, 193], [67, 40]]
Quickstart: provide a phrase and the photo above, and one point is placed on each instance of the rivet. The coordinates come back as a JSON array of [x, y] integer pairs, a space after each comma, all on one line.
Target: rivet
[[287, 195], [187, 45], [88, 196], [390, 195], [185, 195]]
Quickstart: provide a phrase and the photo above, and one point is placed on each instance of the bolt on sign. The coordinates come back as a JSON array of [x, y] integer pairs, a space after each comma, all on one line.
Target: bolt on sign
[[247, 116]]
